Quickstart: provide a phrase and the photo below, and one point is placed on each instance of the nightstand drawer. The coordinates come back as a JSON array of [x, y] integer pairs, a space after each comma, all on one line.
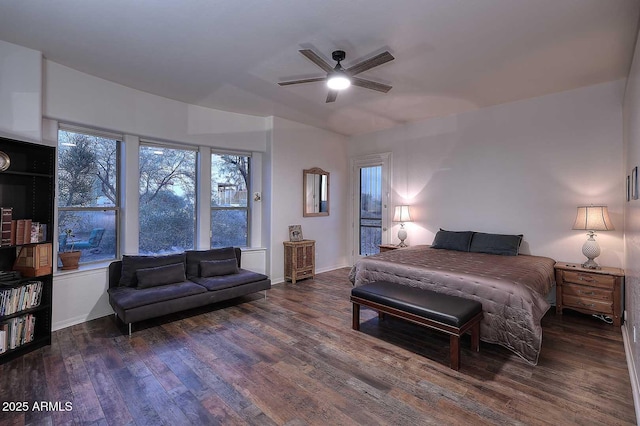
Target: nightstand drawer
[[584, 278], [599, 306], [587, 292]]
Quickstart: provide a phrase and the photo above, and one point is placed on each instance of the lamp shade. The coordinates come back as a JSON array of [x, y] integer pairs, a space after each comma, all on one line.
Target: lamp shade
[[401, 214], [593, 218], [338, 80]]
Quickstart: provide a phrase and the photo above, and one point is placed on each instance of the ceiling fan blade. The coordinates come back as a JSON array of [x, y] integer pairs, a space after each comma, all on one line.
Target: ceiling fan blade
[[332, 95], [313, 57], [368, 84], [306, 80], [370, 63]]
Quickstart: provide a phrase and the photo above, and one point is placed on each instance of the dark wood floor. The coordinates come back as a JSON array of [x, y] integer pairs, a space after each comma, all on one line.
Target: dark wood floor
[[293, 359]]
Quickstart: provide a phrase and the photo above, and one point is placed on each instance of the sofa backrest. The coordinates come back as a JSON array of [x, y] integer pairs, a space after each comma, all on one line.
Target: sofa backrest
[[115, 268]]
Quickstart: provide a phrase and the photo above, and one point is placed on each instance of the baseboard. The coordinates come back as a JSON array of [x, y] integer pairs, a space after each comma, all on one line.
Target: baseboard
[[78, 320], [280, 280], [633, 374]]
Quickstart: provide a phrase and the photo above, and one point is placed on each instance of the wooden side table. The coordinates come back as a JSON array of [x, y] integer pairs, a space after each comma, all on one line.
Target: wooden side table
[[387, 247], [590, 291], [299, 260]]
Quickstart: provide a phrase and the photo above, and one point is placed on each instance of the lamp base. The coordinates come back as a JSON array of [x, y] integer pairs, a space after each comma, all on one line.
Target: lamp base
[[591, 250], [402, 235], [590, 264]]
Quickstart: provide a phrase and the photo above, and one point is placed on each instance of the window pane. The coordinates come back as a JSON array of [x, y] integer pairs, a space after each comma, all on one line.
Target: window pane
[[167, 199], [230, 177], [229, 228], [87, 170], [229, 180], [93, 233]]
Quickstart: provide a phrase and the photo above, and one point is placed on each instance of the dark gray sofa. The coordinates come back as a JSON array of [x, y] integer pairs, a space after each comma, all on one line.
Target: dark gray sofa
[[143, 287]]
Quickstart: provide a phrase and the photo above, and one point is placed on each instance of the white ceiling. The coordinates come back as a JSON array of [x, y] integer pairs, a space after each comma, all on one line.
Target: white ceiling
[[451, 55]]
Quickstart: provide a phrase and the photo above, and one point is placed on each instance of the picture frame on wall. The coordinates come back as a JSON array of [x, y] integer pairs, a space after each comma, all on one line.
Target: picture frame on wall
[[634, 183], [295, 233], [628, 187]]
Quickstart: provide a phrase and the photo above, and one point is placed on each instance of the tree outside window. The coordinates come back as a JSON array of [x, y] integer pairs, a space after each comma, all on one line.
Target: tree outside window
[[88, 195], [167, 212], [230, 177]]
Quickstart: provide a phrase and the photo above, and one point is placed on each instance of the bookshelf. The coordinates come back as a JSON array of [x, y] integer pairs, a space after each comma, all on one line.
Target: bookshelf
[[27, 187]]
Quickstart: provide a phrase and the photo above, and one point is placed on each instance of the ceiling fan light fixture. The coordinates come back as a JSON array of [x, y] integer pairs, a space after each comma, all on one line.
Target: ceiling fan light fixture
[[338, 81]]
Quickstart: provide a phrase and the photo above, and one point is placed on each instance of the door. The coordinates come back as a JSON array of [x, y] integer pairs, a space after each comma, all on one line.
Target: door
[[370, 176]]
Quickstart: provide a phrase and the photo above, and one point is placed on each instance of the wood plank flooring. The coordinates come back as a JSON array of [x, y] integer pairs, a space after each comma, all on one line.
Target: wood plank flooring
[[293, 359]]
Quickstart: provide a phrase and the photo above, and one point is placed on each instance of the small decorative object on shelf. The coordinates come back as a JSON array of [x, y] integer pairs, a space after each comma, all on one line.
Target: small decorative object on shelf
[[5, 161], [299, 260], [591, 291], [35, 260], [69, 258], [295, 233]]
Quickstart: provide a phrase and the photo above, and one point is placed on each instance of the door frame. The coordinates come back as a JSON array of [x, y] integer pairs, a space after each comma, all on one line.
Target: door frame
[[383, 159]]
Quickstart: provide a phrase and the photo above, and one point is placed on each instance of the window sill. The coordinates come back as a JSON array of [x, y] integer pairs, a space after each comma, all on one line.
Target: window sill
[[83, 268]]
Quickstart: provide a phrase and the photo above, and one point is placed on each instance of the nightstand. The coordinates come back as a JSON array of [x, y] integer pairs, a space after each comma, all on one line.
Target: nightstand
[[590, 291], [387, 247]]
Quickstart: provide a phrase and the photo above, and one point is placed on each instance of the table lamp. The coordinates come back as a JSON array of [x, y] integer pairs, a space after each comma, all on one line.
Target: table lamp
[[592, 219], [401, 214]]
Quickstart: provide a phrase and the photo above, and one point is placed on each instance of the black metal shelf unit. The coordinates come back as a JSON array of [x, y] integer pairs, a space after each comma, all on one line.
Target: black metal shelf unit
[[27, 186]]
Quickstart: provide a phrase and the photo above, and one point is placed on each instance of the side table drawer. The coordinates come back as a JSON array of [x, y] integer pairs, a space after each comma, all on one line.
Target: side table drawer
[[597, 306], [595, 280], [587, 292]]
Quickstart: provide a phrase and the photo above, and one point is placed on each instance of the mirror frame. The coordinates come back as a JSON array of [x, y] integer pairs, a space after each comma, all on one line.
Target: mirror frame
[[305, 173]]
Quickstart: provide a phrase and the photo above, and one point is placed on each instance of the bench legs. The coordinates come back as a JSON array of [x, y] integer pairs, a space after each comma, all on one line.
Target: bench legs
[[356, 317], [473, 326]]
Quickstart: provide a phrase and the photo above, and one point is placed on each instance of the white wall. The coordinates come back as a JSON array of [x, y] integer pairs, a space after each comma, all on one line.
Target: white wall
[[521, 167], [632, 227], [295, 147], [20, 92], [76, 97]]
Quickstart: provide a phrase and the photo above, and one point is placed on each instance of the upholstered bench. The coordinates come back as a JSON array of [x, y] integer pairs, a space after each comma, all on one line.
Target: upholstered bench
[[448, 314]]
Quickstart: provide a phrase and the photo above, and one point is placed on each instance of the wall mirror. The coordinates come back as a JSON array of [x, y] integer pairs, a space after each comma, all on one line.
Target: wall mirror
[[316, 192]]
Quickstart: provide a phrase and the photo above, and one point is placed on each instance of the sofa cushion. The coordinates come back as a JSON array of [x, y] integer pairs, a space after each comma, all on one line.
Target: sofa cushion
[[129, 298], [226, 281], [194, 257], [130, 264], [214, 268], [161, 275]]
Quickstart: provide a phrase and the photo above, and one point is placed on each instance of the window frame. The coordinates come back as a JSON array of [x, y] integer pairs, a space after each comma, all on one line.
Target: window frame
[[248, 208], [119, 138]]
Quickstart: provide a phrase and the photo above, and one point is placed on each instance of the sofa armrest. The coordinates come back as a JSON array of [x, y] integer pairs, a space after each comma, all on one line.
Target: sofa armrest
[[115, 270]]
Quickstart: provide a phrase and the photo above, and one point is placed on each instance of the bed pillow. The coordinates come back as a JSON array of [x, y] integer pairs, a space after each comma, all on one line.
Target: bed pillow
[[161, 275], [130, 264], [452, 240], [506, 245], [215, 268]]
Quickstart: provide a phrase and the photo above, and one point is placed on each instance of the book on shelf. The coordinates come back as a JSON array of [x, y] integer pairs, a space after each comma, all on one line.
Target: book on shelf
[[6, 215], [20, 232]]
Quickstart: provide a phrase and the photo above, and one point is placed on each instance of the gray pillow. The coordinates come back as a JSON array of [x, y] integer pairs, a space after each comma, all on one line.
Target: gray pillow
[[130, 264], [194, 257], [506, 245], [452, 240], [161, 275], [214, 268]]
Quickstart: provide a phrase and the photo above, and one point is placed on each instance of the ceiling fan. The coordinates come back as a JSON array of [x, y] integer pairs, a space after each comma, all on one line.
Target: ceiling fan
[[339, 78]]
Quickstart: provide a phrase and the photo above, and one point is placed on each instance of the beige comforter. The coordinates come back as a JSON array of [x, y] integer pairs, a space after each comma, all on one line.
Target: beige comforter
[[512, 289]]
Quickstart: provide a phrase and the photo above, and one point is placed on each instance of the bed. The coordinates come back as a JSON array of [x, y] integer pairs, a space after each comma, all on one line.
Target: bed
[[512, 289]]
